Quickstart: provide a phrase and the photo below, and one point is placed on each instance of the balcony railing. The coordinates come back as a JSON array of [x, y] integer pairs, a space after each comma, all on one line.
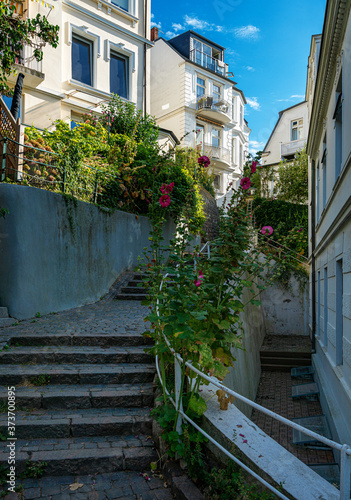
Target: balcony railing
[[26, 58], [290, 148], [208, 102], [208, 62], [217, 152]]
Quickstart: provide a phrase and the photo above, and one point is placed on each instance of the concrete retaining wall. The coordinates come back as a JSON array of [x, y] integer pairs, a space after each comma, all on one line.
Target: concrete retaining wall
[[56, 254]]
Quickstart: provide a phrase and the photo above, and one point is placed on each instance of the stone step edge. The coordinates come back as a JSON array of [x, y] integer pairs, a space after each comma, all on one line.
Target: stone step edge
[[77, 462]]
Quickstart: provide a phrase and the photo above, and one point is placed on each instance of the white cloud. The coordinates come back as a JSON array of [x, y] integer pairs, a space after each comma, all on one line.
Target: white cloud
[[157, 25], [196, 23], [177, 26], [249, 68], [152, 15], [255, 146], [248, 32], [253, 103], [170, 34], [297, 96]]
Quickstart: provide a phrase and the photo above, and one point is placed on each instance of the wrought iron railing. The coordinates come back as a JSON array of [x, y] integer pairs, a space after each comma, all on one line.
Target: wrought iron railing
[[345, 449], [45, 169], [209, 62], [217, 152], [213, 103]]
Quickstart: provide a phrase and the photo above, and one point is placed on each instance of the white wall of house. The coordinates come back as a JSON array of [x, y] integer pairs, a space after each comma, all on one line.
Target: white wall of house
[[174, 83], [284, 133], [329, 149], [64, 86]]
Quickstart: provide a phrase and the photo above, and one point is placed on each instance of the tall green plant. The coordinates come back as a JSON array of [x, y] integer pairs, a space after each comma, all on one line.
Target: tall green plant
[[292, 183]]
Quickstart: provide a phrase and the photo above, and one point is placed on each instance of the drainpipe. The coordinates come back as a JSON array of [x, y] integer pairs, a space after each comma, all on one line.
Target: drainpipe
[[16, 101], [313, 244], [146, 36]]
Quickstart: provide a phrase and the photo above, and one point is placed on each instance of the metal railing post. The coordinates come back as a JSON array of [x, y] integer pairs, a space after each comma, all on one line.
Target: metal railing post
[[345, 471], [64, 179], [178, 395], [3, 164], [96, 187]]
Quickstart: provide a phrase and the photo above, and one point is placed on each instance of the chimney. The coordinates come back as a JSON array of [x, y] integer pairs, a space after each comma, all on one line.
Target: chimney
[[154, 33]]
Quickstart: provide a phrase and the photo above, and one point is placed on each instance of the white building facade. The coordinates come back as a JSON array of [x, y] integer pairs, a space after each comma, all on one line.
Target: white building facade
[[288, 137], [103, 49], [193, 96], [329, 150]]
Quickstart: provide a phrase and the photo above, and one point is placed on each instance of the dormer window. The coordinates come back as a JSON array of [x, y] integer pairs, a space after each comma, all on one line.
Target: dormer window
[[207, 56]]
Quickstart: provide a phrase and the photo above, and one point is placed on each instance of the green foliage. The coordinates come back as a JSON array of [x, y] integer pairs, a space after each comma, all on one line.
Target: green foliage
[[282, 216], [40, 380], [292, 184], [122, 117], [204, 176], [34, 470], [4, 212], [15, 33], [256, 177]]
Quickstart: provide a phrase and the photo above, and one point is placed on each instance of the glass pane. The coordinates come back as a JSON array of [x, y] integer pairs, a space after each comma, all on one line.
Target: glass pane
[[200, 81], [118, 76], [196, 44], [207, 50], [81, 61], [199, 134], [294, 134], [198, 56], [121, 3], [199, 91]]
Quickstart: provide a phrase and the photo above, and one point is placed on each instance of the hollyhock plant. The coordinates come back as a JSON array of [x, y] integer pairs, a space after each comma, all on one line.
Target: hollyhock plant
[[245, 182], [167, 189], [165, 200], [199, 279], [267, 230], [253, 167], [204, 161]]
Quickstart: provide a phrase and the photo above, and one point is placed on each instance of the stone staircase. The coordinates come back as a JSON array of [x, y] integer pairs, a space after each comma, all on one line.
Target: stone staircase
[[83, 400], [282, 353], [133, 290], [5, 319]]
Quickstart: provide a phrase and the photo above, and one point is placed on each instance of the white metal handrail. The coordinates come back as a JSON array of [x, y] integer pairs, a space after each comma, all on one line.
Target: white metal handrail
[[345, 449], [283, 246]]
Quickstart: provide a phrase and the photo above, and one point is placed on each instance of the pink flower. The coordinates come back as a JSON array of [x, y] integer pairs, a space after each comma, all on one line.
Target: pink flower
[[245, 183], [171, 186], [154, 169], [165, 200], [204, 161], [267, 229], [199, 279], [253, 167]]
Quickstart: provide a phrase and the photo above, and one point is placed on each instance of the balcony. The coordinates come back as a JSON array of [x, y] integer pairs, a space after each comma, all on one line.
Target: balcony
[[213, 107], [290, 148], [29, 66], [208, 62], [220, 156]]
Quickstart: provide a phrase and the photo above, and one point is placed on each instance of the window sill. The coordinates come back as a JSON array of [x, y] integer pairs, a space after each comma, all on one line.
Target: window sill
[[118, 10], [91, 91]]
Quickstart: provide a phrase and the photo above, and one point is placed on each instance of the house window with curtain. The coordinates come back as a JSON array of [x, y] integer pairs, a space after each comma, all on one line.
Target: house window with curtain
[[216, 137], [119, 75], [82, 60]]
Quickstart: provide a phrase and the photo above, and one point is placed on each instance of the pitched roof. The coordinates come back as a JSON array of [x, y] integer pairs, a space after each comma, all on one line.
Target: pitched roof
[[276, 125]]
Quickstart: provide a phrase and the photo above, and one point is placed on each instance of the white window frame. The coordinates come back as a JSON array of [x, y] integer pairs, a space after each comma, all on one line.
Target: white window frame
[[298, 129], [234, 147], [220, 94], [241, 115], [196, 84], [218, 189], [219, 137], [233, 108], [83, 33], [119, 48]]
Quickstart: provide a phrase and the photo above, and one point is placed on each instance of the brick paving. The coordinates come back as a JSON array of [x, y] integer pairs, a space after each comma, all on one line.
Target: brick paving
[[274, 393]]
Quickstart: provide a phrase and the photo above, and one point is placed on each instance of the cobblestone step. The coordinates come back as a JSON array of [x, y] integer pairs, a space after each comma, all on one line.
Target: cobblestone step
[[122, 373], [103, 339], [78, 423], [75, 354], [131, 296], [6, 322], [133, 290], [59, 397], [83, 455], [286, 362]]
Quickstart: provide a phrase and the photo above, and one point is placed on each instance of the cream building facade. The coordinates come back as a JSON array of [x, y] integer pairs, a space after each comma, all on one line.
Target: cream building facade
[[193, 96], [329, 150], [104, 48], [288, 137]]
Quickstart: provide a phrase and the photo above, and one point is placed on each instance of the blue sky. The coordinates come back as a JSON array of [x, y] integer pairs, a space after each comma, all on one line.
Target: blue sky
[[267, 46]]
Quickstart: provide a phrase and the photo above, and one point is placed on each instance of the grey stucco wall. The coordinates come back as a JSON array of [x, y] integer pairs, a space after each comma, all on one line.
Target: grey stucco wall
[[285, 310], [55, 255]]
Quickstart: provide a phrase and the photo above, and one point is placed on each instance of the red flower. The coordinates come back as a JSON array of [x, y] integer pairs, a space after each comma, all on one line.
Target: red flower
[[167, 189], [245, 183], [204, 161], [253, 167], [165, 200]]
